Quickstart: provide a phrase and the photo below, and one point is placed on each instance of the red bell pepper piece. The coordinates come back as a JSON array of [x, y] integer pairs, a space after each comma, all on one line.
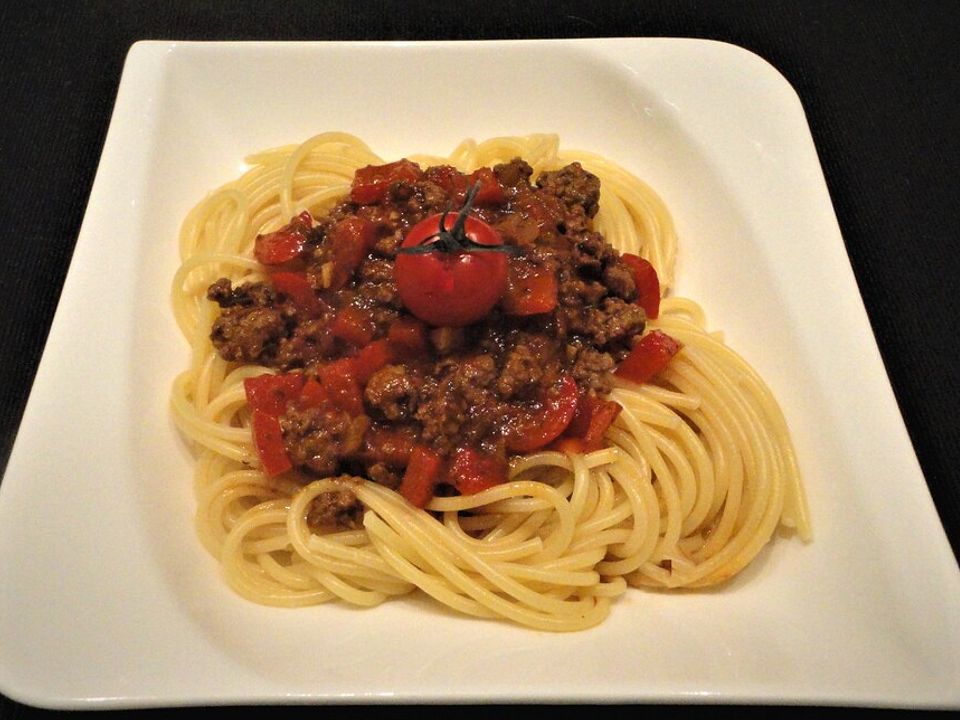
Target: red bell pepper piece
[[408, 336], [648, 357], [647, 282], [421, 476], [529, 430], [449, 178], [285, 244], [271, 394], [313, 394], [371, 183], [350, 240], [340, 381], [586, 430], [268, 442], [531, 289], [353, 325], [296, 287], [490, 192], [371, 358], [471, 471]]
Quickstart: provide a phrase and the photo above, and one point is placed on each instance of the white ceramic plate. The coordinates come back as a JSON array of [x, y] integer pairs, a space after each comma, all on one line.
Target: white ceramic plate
[[108, 599]]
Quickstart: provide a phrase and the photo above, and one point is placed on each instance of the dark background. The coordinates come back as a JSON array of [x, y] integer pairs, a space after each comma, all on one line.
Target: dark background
[[879, 83]]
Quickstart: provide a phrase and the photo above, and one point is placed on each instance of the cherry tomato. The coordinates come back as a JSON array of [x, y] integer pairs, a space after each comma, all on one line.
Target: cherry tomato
[[445, 288]]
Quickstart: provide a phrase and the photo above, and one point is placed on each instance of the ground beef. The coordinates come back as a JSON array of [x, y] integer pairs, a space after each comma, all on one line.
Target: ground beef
[[590, 367], [385, 475], [376, 286], [316, 439], [456, 401], [591, 254], [521, 374], [574, 186], [619, 279], [612, 321], [310, 342], [515, 173], [391, 392], [252, 321], [335, 510]]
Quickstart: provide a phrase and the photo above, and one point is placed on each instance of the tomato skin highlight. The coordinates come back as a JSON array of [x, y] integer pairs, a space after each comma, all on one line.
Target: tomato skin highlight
[[648, 357], [451, 289], [531, 430]]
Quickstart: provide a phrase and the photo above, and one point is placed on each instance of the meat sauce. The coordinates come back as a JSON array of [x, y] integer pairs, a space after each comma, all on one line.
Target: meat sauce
[[371, 386]]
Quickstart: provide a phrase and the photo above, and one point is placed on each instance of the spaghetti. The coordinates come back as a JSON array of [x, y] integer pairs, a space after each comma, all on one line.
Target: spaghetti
[[698, 474]]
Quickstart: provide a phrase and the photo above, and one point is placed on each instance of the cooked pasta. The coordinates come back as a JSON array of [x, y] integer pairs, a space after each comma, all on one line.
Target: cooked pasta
[[697, 475]]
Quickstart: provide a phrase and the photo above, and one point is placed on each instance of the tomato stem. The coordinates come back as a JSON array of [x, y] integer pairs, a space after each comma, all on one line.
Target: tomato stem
[[455, 240]]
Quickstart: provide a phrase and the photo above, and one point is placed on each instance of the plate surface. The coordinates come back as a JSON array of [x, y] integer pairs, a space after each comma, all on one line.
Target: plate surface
[[108, 599]]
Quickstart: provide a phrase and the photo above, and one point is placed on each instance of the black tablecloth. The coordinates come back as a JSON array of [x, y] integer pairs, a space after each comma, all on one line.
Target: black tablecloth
[[879, 82]]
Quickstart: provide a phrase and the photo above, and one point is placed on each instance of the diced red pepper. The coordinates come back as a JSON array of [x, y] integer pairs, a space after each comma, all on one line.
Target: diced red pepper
[[490, 192], [456, 184], [408, 336], [371, 358], [586, 430], [353, 325], [271, 394], [390, 445], [531, 289], [339, 380], [602, 415], [543, 211], [313, 394], [350, 240], [567, 444], [421, 476], [371, 183], [296, 287], [647, 282], [449, 178], [471, 471], [268, 442], [532, 429], [648, 357], [285, 244]]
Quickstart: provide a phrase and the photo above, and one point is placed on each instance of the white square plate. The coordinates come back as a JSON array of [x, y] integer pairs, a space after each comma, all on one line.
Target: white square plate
[[107, 597]]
